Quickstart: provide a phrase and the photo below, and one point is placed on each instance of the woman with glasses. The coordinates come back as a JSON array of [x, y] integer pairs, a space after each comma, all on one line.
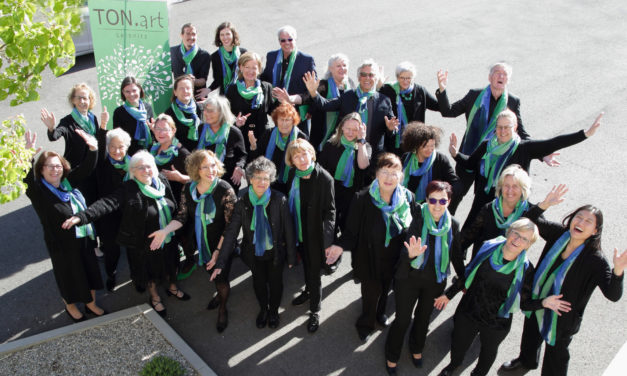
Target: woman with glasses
[[206, 206], [572, 266], [432, 244], [50, 188], [376, 225], [135, 115], [268, 239], [409, 100], [146, 205]]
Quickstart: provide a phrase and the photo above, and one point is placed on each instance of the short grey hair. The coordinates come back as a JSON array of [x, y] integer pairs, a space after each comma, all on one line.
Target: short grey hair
[[524, 224], [369, 63], [221, 104], [508, 68], [287, 29], [406, 66], [145, 157], [121, 135], [521, 177], [333, 59], [509, 115], [261, 164]]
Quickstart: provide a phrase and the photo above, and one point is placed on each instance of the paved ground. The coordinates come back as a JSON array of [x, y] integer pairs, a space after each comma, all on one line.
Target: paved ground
[[568, 60]]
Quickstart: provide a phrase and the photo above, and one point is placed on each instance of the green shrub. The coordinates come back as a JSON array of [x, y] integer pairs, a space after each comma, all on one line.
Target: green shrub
[[162, 366]]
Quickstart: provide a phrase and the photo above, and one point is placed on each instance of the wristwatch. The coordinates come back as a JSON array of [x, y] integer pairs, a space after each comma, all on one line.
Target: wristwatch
[[362, 140]]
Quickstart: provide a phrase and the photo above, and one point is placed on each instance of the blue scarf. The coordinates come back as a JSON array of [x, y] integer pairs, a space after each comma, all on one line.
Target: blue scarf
[[203, 217], [425, 171], [77, 203], [479, 127], [167, 155], [443, 233], [277, 141], [294, 200], [331, 116], [260, 225], [396, 214], [121, 165], [362, 106], [495, 159], [140, 114], [400, 110], [190, 109], [219, 139]]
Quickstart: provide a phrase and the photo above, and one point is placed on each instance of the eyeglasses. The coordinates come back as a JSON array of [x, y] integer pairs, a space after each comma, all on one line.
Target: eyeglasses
[[517, 235], [161, 130], [434, 201], [81, 98], [261, 179], [364, 74], [53, 166], [504, 127], [286, 40], [388, 174], [405, 78]]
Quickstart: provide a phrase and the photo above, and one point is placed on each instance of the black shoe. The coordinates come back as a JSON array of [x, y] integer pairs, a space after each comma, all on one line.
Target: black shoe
[[364, 333], [383, 320], [447, 371], [176, 292], [82, 318], [214, 303], [273, 320], [390, 370], [110, 283], [313, 323], [88, 310], [512, 365], [417, 362], [262, 318], [223, 321], [301, 299], [154, 304]]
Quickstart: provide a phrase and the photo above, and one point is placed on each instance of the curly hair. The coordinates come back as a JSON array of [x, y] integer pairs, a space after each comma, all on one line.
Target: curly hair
[[417, 134], [194, 161]]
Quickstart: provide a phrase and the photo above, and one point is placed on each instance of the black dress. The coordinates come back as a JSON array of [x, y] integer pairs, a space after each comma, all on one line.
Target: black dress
[[122, 119], [74, 262]]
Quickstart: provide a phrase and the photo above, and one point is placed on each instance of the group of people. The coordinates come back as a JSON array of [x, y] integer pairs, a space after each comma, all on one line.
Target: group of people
[[328, 165]]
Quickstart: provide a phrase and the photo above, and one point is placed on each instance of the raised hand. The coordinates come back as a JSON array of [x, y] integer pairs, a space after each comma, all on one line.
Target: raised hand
[[556, 304], [554, 197], [452, 145], [551, 161], [620, 262], [312, 83], [363, 131], [414, 247], [90, 140], [442, 79], [48, 119], [281, 95], [104, 118], [392, 123], [593, 128], [241, 120]]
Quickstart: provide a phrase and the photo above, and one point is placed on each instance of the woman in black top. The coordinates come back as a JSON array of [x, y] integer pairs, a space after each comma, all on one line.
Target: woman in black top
[[409, 100], [377, 221], [274, 142], [83, 100], [422, 163], [220, 136], [422, 272], [506, 148], [224, 59], [135, 115], [313, 209], [250, 98], [111, 171], [185, 112], [268, 239], [146, 204], [347, 157], [572, 255], [50, 189], [497, 283], [206, 206]]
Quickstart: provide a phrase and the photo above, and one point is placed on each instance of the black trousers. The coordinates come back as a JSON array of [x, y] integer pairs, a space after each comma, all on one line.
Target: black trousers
[[466, 179], [312, 262], [268, 283], [416, 287], [556, 358], [374, 298], [464, 332]]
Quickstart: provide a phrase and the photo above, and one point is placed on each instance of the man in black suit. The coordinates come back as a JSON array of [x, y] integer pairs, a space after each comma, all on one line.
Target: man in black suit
[[188, 49], [375, 109]]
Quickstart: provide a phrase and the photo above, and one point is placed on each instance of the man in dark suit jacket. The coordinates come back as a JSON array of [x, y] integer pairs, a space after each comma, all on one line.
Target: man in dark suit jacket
[[378, 114], [199, 64], [499, 77]]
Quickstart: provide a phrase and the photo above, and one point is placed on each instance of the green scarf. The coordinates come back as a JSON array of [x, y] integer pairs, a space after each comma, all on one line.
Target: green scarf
[[294, 199], [495, 159], [204, 215], [188, 56], [260, 224], [219, 139], [345, 171], [479, 126], [503, 222], [443, 237], [192, 124], [86, 122], [396, 214], [228, 58], [156, 191], [164, 157]]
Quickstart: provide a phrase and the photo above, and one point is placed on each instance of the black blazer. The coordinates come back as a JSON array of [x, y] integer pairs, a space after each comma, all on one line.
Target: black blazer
[[200, 64], [284, 242], [379, 106], [304, 63], [218, 77]]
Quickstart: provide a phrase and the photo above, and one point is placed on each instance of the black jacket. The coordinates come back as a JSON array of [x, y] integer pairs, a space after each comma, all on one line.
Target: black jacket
[[200, 64], [122, 119], [218, 77]]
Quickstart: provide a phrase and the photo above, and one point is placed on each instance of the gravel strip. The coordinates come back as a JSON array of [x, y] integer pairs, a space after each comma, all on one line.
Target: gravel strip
[[121, 347]]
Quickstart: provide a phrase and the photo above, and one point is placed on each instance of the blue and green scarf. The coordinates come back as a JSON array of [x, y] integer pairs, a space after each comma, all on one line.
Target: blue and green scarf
[[188, 56], [503, 222], [121, 165], [396, 214], [77, 202], [479, 127], [345, 169], [191, 123], [260, 225], [228, 60], [400, 109], [276, 140], [495, 159], [331, 116], [219, 139], [86, 122], [276, 70], [254, 93], [142, 131], [166, 156], [294, 200], [203, 217], [362, 103], [156, 191], [425, 171], [443, 233]]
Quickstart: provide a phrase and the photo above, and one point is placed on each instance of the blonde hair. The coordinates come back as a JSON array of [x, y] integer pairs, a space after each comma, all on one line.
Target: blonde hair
[[298, 145], [82, 85], [195, 160]]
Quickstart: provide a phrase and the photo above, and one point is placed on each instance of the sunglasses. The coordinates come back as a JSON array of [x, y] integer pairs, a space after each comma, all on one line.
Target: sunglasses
[[286, 40], [364, 74], [434, 201]]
